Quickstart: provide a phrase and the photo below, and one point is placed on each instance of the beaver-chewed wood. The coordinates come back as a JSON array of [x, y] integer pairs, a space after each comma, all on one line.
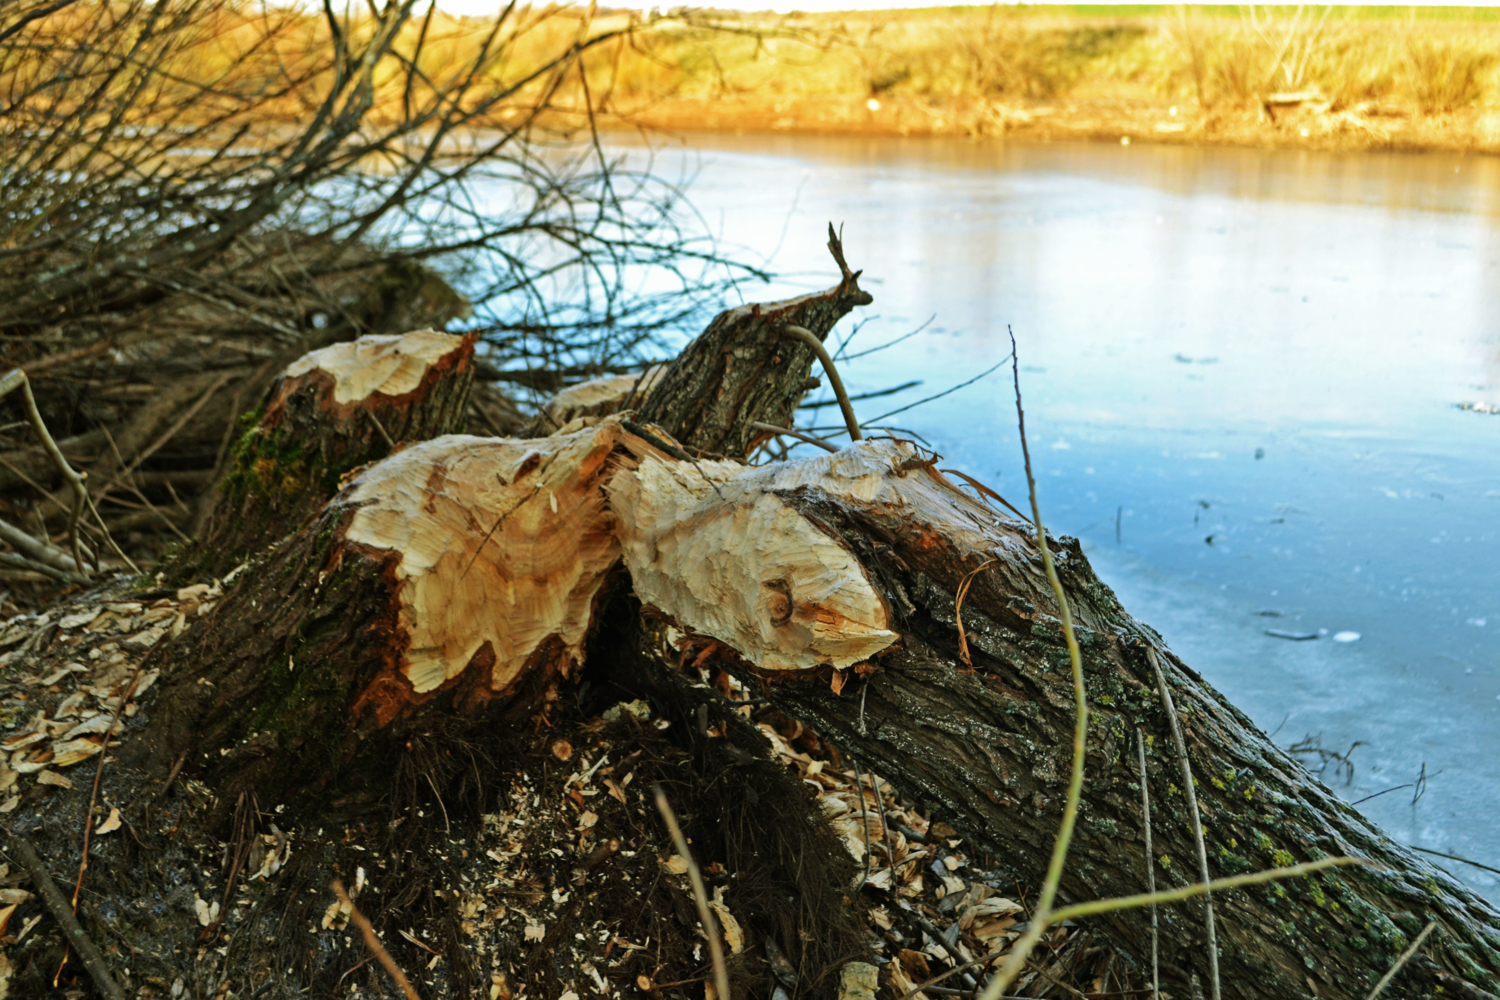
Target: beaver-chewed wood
[[988, 748], [460, 571], [329, 412], [461, 577]]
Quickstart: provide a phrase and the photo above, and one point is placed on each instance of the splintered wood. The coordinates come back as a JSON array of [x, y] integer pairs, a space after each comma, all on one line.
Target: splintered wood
[[502, 547], [601, 396], [388, 365], [717, 547]]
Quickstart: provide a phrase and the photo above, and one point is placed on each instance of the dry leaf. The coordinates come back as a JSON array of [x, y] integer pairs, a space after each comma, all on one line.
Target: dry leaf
[[676, 864], [534, 932], [5, 917], [53, 778], [499, 989], [838, 681], [13, 896], [587, 820], [110, 824]]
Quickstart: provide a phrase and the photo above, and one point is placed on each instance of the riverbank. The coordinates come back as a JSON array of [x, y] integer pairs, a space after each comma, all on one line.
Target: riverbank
[[1356, 78], [1310, 125]]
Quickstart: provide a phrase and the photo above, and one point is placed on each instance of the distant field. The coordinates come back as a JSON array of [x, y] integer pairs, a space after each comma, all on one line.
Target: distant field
[[1379, 77], [1356, 77]]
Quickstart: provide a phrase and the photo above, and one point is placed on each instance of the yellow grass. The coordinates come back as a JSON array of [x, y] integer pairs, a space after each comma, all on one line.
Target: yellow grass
[[1372, 75]]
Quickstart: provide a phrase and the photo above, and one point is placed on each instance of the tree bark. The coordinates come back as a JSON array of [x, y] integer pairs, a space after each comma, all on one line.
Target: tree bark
[[743, 369], [453, 585], [331, 411], [460, 571]]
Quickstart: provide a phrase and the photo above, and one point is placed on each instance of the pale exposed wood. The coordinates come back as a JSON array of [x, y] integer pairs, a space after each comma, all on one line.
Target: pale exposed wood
[[601, 396], [331, 411], [391, 365], [502, 543], [716, 546]]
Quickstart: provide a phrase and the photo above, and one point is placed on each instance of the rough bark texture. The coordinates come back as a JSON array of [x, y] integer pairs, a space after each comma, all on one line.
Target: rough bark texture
[[990, 751], [462, 570], [317, 423], [300, 689], [742, 369]]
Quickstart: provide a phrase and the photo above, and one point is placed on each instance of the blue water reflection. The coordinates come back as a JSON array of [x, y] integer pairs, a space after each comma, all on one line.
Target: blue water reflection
[[1247, 360]]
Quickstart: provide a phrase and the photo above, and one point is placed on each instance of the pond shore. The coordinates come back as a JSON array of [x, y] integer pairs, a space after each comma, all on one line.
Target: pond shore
[[1302, 125]]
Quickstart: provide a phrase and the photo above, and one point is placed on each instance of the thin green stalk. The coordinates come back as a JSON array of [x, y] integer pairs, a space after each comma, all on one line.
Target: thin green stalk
[[1095, 907], [1040, 918]]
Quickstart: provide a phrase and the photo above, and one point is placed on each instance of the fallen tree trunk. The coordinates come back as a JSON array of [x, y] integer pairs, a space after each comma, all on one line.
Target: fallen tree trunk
[[448, 590]]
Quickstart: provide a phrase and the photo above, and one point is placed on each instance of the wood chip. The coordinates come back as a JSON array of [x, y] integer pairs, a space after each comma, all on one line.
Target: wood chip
[[110, 824], [79, 618], [70, 752]]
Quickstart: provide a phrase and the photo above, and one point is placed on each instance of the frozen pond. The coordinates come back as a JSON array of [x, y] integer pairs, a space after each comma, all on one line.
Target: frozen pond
[[1249, 361]]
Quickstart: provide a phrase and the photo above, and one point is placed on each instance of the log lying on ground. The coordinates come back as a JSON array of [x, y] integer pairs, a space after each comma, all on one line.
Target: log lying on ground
[[330, 411], [988, 748], [310, 659]]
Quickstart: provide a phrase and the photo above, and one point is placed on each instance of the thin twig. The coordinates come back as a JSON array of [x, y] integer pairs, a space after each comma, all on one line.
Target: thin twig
[[958, 612], [41, 549], [88, 816], [1041, 917], [381, 428], [1192, 800], [16, 379], [22, 562], [1140, 744], [790, 432], [700, 894], [372, 941], [1406, 956], [1455, 857], [834, 382], [864, 815], [57, 904], [1092, 909]]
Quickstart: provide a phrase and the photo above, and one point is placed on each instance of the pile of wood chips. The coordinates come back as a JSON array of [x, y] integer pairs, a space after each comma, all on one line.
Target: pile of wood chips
[[569, 887]]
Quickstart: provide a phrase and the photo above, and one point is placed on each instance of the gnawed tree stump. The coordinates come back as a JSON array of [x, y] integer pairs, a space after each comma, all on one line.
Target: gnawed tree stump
[[463, 569], [451, 587], [596, 397], [329, 412], [988, 747]]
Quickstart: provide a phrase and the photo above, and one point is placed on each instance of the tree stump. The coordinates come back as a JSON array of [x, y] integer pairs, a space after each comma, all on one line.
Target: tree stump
[[329, 412], [463, 569], [454, 585]]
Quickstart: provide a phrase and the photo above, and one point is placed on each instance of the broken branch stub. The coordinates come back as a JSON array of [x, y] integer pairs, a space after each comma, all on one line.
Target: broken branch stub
[[742, 370], [329, 412]]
